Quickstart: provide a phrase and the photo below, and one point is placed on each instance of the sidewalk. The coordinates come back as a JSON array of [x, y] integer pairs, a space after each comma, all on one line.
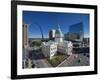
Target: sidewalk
[[68, 60]]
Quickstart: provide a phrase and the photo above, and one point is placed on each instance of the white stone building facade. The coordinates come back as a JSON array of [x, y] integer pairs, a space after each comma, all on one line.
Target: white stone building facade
[[50, 48], [65, 47]]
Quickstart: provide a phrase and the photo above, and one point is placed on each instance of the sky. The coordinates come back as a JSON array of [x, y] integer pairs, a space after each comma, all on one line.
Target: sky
[[51, 20]]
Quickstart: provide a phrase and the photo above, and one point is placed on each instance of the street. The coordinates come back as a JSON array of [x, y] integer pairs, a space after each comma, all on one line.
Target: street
[[38, 59], [72, 60]]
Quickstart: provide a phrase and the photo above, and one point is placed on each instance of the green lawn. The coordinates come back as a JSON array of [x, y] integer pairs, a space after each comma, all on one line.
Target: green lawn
[[56, 60], [36, 43]]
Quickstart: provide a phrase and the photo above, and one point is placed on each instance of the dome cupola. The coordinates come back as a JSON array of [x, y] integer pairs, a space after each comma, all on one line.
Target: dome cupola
[[58, 32], [58, 35]]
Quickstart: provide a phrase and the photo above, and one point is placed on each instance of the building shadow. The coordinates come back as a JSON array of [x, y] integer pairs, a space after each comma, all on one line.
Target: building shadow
[[35, 55]]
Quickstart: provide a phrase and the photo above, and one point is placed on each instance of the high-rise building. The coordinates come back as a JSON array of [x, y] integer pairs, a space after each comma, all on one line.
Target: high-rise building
[[76, 32], [52, 34], [25, 35], [25, 44]]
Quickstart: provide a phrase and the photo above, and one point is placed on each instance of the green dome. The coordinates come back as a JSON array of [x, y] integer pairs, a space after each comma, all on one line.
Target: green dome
[[58, 33]]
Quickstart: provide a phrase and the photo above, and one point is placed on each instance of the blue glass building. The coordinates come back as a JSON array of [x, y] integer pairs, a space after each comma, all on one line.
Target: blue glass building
[[76, 32]]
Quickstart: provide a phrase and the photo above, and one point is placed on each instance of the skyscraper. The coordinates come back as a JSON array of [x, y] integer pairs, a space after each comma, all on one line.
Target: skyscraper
[[25, 35], [76, 32], [52, 34]]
